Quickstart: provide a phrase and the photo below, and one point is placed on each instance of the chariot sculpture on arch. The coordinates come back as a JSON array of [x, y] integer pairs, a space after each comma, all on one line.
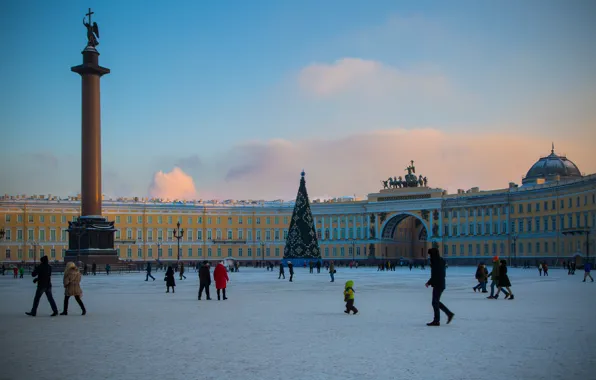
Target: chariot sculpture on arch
[[92, 30], [410, 179]]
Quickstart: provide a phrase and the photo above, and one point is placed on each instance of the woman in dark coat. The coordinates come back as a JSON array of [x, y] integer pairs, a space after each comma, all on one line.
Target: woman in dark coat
[[170, 281], [504, 280]]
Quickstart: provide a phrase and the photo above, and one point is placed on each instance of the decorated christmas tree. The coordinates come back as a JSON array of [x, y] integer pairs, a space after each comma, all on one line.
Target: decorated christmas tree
[[302, 240]]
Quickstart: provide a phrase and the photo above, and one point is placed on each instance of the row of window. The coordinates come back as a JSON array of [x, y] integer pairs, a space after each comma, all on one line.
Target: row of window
[[531, 225], [521, 248]]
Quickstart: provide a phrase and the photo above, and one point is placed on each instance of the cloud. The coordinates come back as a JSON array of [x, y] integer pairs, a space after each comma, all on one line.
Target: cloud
[[173, 185], [356, 164], [370, 78], [189, 163]]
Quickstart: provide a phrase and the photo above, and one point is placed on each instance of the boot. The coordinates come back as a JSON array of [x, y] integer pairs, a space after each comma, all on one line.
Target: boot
[[218, 295], [434, 323], [65, 306], [450, 318], [511, 297], [224, 294], [30, 314], [474, 289], [81, 305]]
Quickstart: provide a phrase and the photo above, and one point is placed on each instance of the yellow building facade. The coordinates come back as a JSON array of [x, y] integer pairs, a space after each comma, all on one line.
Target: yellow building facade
[[523, 223]]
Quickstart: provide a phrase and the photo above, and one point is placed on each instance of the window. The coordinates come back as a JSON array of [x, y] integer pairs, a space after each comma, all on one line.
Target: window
[[537, 224], [334, 251], [521, 209], [42, 234], [52, 235], [485, 249], [189, 235], [199, 220], [159, 219], [545, 205], [169, 219], [117, 218], [19, 235], [129, 219], [446, 230], [545, 247], [277, 220], [471, 229], [521, 248], [229, 252], [8, 253], [529, 207], [240, 252], [258, 220], [546, 223], [268, 235], [249, 220], [487, 228], [140, 219], [258, 237], [190, 252], [199, 234], [357, 251], [521, 226], [218, 234], [30, 218], [139, 234], [286, 218], [562, 206], [240, 234], [446, 250], [52, 218], [494, 248], [249, 252], [461, 250], [230, 237], [268, 220], [218, 251], [229, 220], [200, 252], [276, 236], [477, 249], [149, 220], [501, 248], [239, 220], [129, 234], [159, 251], [218, 220], [529, 248], [170, 252], [285, 234], [209, 235], [341, 251], [249, 235], [209, 252], [570, 220], [150, 252]]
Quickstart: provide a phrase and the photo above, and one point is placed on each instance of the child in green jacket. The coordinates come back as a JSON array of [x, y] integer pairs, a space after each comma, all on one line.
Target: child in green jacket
[[21, 272], [349, 297]]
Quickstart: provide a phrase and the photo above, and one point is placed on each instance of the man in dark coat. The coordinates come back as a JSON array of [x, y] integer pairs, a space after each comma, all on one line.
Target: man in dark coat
[[94, 268], [149, 272], [318, 266], [204, 280], [291, 269], [281, 271], [437, 281], [43, 274]]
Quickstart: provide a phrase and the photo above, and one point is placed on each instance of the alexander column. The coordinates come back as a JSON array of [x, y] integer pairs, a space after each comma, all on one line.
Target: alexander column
[[91, 237]]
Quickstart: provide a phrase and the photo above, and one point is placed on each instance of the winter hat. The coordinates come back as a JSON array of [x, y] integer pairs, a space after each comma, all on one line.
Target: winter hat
[[496, 258]]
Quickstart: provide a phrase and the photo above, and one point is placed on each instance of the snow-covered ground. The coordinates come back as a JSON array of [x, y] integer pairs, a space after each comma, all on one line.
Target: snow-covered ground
[[274, 329]]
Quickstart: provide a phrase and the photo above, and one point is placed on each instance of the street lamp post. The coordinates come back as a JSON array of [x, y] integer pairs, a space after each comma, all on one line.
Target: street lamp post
[[514, 250], [580, 231], [159, 251], [178, 234], [353, 242]]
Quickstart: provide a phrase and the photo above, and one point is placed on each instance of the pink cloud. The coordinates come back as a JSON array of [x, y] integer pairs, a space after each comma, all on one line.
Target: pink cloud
[[367, 77], [355, 164], [173, 185]]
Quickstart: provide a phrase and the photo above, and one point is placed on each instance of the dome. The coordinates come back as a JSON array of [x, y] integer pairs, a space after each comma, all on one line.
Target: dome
[[551, 167]]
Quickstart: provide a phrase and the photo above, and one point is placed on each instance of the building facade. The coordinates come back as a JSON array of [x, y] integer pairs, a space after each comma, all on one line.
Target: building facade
[[525, 223]]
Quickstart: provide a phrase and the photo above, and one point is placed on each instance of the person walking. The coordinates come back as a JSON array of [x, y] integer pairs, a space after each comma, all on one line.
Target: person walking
[[182, 271], [291, 269], [504, 281], [204, 280], [220, 275], [540, 268], [108, 268], [481, 277], [148, 270], [94, 268], [281, 271], [3, 269], [318, 266], [545, 268], [494, 277], [15, 272], [43, 274], [349, 297], [587, 269], [21, 272], [332, 271], [72, 287], [437, 281], [170, 281]]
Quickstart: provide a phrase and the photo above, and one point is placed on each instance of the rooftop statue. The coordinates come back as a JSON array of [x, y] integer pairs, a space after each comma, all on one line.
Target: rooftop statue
[[92, 30]]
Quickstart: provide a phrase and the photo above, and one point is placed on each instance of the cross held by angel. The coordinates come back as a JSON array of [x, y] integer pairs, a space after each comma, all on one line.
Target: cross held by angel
[[92, 30]]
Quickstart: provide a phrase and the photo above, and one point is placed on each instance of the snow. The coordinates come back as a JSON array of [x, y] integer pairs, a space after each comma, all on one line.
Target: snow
[[274, 329]]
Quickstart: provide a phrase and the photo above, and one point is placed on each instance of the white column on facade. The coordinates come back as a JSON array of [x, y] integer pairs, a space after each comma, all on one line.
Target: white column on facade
[[354, 218], [323, 227], [450, 223], [347, 226], [338, 228], [440, 223]]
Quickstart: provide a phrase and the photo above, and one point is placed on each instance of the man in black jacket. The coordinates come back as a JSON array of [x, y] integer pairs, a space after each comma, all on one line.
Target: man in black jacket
[[148, 272], [43, 272], [204, 280], [437, 281], [291, 269]]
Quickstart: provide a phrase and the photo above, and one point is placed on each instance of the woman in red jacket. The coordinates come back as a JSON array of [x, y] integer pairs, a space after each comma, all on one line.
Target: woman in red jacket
[[220, 275]]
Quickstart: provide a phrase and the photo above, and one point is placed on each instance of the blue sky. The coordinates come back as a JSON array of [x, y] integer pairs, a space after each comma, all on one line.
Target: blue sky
[[214, 87]]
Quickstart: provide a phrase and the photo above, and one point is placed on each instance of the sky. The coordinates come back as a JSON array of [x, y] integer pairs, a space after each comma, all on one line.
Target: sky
[[232, 99]]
